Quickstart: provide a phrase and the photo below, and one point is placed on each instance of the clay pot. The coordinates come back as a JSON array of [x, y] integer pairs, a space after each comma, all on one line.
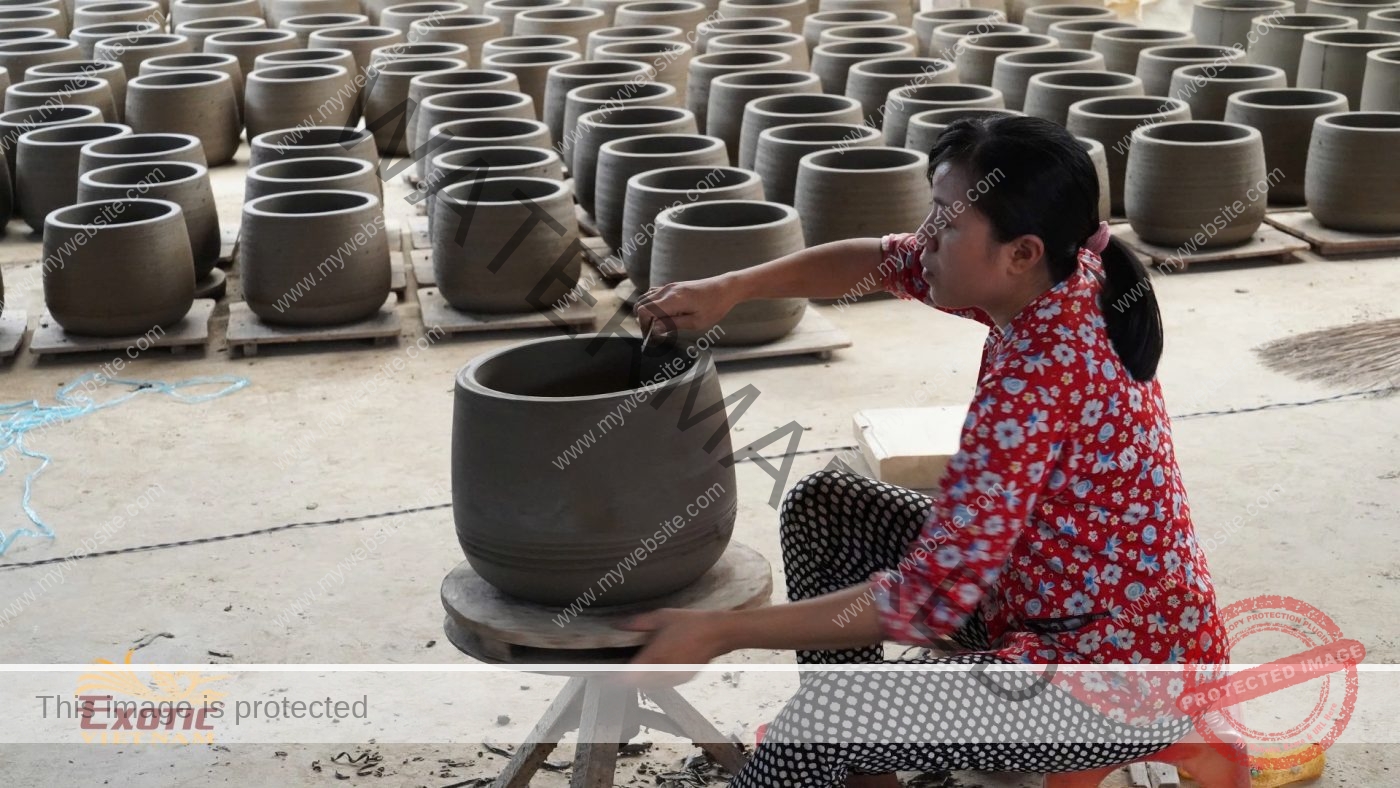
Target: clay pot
[[784, 110], [704, 70], [781, 148], [1050, 95], [541, 540], [1013, 71], [111, 73], [1121, 47], [925, 22], [843, 33], [650, 193], [1188, 178], [480, 264], [468, 105], [946, 41], [1228, 22], [1096, 155], [434, 51], [979, 54], [482, 132], [861, 192], [815, 24], [790, 44], [122, 267], [714, 28], [1079, 34], [1353, 166], [286, 96], [620, 159], [304, 26], [119, 11], [608, 7], [198, 103], [137, 148], [63, 90], [313, 142], [35, 19], [576, 23], [669, 59], [345, 96], [505, 10], [494, 161], [582, 100], [1384, 19], [13, 124], [1206, 89], [1278, 39], [185, 184], [617, 35], [423, 87], [530, 44], [199, 31], [17, 57], [246, 45], [387, 111], [1285, 120], [87, 37], [794, 12], [225, 64], [1017, 9], [870, 82], [926, 127], [311, 174], [46, 169], [731, 93], [360, 42], [1156, 64], [472, 31], [601, 126], [130, 51], [402, 17], [335, 238], [1111, 121], [903, 12], [182, 11], [1358, 10], [713, 238], [906, 102], [1336, 60], [531, 68], [563, 78], [1380, 91], [685, 14], [1039, 19], [832, 62]]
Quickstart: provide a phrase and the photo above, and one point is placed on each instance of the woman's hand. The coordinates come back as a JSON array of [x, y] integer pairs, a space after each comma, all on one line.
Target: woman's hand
[[678, 637], [685, 306]]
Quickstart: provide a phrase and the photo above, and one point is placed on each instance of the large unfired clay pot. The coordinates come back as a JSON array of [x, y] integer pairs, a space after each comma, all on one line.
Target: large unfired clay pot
[[531, 68], [121, 267], [871, 81], [1380, 90], [1196, 182], [1040, 18], [312, 173], [947, 39], [13, 124], [685, 14], [600, 126], [1013, 71], [46, 166], [612, 35], [130, 51], [134, 148], [1384, 19], [545, 536], [1229, 22], [471, 30], [246, 45], [576, 23], [861, 192], [670, 60], [111, 73], [87, 37], [705, 69], [1278, 39], [1285, 119], [1121, 47], [1336, 60], [650, 193], [794, 12], [495, 161], [480, 264], [620, 159], [705, 32], [388, 112], [565, 77], [1096, 155], [1157, 64], [731, 93], [1353, 166], [335, 238], [199, 103], [111, 11], [1050, 95], [781, 148], [1111, 121], [18, 56], [608, 95], [1079, 34], [904, 103], [360, 42], [903, 12], [832, 62], [977, 58], [285, 96], [925, 22], [186, 185], [225, 64], [1207, 89], [182, 11], [468, 105], [782, 110], [200, 30], [62, 90], [815, 24], [713, 238], [926, 127]]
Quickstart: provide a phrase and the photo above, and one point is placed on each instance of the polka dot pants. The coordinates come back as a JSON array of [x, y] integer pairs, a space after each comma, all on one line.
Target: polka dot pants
[[837, 529]]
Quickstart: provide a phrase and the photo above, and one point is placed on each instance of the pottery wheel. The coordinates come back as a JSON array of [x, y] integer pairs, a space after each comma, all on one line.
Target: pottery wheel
[[490, 626]]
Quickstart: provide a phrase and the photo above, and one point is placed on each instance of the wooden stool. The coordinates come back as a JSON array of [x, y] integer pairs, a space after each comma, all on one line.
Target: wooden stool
[[487, 625], [1205, 762]]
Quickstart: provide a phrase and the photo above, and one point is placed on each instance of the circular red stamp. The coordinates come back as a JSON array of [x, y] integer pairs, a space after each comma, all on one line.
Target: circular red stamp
[[1324, 660]]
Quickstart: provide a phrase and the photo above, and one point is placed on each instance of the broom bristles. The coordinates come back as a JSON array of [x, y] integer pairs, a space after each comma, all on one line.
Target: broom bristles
[[1364, 354]]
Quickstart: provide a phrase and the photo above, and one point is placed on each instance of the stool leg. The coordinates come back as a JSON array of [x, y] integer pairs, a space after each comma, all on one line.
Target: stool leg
[[695, 727], [562, 715], [600, 733]]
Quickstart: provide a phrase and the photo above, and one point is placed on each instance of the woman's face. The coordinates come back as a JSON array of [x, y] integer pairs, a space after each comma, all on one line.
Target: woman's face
[[963, 262]]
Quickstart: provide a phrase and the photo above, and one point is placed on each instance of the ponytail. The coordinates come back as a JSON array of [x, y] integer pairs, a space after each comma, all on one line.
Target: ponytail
[[1130, 313]]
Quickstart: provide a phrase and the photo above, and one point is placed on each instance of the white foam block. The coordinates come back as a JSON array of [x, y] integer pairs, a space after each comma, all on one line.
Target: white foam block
[[909, 447]]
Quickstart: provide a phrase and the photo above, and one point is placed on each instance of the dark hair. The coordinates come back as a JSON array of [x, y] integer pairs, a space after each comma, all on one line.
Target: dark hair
[[1042, 183]]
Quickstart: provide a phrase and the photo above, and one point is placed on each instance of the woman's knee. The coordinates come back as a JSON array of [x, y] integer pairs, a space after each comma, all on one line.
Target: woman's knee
[[803, 505]]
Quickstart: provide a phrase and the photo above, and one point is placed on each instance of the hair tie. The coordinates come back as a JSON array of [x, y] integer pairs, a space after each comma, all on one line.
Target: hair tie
[[1099, 240]]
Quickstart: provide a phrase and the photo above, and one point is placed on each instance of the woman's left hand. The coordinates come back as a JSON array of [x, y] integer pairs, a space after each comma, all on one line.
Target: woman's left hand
[[678, 637]]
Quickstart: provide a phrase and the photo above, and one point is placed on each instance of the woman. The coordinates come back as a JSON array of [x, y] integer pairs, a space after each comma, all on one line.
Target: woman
[[1060, 534]]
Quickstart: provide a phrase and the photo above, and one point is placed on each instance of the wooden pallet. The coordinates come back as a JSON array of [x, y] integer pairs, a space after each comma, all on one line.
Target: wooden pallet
[[192, 330], [602, 256], [1267, 244], [14, 324], [586, 225], [228, 247], [1329, 242], [437, 314], [246, 333]]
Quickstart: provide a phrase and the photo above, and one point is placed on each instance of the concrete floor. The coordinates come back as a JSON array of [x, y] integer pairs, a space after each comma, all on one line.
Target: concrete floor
[[316, 437]]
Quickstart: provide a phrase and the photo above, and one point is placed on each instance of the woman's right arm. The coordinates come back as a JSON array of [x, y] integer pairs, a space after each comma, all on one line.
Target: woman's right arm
[[831, 270]]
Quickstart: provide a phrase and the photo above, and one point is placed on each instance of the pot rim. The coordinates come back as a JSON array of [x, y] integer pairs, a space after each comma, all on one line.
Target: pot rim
[[1388, 54], [190, 142], [878, 46], [676, 114], [1094, 25], [566, 70], [1324, 37], [1149, 131], [1052, 79], [425, 8], [1262, 72], [302, 57], [126, 27], [427, 65], [937, 117], [197, 172], [1080, 55], [317, 20], [1291, 22], [856, 15], [556, 189], [763, 4], [1129, 34], [1384, 13], [146, 41], [748, 79], [890, 31], [770, 38], [863, 67], [775, 133], [1090, 144], [275, 73], [1379, 4], [248, 37], [668, 216], [532, 57], [419, 50], [19, 87], [1216, 53], [472, 76], [750, 23], [760, 105], [223, 24], [917, 159], [55, 218], [117, 6], [534, 127], [38, 45], [1330, 120], [965, 29], [564, 12], [207, 3], [150, 81], [618, 33], [702, 364], [978, 92], [79, 68], [1072, 10], [66, 109], [516, 99], [659, 46], [547, 155], [1159, 102], [259, 171], [252, 208], [356, 136], [710, 144], [42, 33], [639, 182], [960, 14], [359, 33], [654, 89], [985, 42], [737, 57], [35, 137], [1245, 5], [664, 6], [1243, 97], [538, 41], [459, 22], [526, 4], [222, 58]]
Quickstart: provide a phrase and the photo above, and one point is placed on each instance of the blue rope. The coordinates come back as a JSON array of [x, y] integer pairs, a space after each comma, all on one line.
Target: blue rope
[[20, 418]]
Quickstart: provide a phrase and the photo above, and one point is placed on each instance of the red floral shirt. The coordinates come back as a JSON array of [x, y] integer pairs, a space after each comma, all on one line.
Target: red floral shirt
[[1062, 519]]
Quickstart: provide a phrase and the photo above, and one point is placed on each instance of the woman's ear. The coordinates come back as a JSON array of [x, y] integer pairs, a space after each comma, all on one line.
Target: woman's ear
[[1024, 253]]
